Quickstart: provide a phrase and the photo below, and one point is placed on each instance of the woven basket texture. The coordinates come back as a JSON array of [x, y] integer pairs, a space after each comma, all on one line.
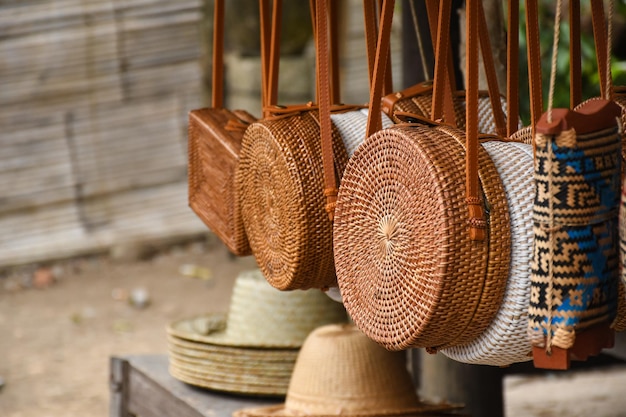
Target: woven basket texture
[[237, 382], [352, 126], [339, 371], [620, 321], [506, 341], [213, 155], [421, 105], [408, 272], [523, 135], [281, 187], [262, 316], [575, 295]]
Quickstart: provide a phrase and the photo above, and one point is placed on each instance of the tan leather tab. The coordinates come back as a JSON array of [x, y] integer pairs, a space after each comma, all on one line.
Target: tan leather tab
[[390, 100]]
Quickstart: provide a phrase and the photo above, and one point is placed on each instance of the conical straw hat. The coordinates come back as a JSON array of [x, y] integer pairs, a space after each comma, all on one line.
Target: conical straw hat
[[340, 371], [262, 316]]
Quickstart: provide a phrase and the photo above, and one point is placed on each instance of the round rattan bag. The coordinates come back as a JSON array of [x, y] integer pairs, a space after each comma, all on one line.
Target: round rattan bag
[[280, 181], [408, 272], [505, 341]]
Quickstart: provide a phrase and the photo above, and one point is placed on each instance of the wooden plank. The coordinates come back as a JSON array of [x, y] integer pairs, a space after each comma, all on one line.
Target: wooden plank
[[154, 393], [119, 370]]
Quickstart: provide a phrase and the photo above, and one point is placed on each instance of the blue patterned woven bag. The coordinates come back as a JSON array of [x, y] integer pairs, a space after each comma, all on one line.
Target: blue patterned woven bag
[[575, 266]]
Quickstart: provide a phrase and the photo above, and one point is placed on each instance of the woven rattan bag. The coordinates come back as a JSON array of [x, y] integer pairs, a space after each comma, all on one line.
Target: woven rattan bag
[[214, 143], [287, 181], [417, 266], [619, 95], [575, 267]]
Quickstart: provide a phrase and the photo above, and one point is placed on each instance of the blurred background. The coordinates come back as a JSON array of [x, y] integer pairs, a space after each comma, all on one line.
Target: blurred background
[[94, 97]]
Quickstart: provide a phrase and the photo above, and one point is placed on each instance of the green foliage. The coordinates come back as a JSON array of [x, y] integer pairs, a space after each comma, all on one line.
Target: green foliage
[[590, 79]]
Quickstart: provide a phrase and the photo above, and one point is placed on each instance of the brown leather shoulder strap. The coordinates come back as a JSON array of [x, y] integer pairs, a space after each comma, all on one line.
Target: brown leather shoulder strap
[[274, 57], [575, 72], [600, 39], [217, 77], [323, 71], [266, 33], [512, 59], [534, 60], [374, 120], [490, 72], [443, 87], [472, 186]]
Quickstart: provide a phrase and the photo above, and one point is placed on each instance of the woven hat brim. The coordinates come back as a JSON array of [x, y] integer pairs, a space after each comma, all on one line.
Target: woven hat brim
[[217, 366], [230, 354], [249, 375], [279, 410], [219, 384], [183, 329]]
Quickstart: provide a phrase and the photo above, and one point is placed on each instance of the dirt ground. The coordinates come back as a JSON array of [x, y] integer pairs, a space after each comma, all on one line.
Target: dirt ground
[[55, 342]]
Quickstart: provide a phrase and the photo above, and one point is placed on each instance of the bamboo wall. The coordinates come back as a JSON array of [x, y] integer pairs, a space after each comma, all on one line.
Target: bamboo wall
[[94, 96], [93, 103]]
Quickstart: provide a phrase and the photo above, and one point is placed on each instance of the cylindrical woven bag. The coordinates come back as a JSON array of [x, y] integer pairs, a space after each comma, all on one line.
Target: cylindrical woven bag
[[408, 272], [620, 321], [505, 341], [575, 260], [281, 182]]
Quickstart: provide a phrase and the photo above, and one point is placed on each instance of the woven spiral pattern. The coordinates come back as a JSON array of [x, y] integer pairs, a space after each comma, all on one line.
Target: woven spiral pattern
[[409, 274], [505, 341], [281, 187], [576, 234]]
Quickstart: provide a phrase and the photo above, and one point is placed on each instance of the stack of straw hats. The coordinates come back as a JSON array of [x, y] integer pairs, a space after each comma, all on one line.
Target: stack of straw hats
[[253, 348], [340, 371]]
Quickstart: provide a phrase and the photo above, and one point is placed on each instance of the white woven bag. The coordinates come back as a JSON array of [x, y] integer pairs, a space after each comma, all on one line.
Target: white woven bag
[[505, 341]]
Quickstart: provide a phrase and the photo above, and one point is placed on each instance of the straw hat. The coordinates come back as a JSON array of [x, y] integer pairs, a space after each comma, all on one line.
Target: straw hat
[[253, 348], [262, 316], [339, 371]]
